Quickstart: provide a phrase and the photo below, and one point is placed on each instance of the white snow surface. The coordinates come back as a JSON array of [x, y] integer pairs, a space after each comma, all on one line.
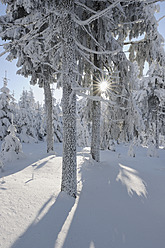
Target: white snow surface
[[120, 202]]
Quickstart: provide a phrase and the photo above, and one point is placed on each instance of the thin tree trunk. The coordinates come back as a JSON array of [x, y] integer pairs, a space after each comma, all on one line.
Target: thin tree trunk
[[49, 117], [69, 165]]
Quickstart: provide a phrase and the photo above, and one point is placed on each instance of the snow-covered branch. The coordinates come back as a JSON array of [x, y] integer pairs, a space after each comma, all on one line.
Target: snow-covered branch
[[88, 60], [85, 7], [97, 15], [106, 52], [92, 98]]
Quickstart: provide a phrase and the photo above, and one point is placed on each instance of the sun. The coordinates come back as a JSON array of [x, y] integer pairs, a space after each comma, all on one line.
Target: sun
[[103, 85]]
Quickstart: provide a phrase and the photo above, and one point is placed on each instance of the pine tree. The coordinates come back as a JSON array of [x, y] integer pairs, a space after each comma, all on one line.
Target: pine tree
[[59, 25], [40, 122], [5, 109], [26, 124], [150, 99], [11, 147]]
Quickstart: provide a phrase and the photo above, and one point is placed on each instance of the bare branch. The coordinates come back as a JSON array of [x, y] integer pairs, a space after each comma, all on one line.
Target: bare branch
[[161, 18]]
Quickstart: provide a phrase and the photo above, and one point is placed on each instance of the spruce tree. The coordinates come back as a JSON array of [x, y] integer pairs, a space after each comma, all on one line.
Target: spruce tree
[[5, 109], [11, 147]]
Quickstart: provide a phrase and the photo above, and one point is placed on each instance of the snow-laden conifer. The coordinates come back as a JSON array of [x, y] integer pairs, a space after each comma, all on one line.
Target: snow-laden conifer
[[26, 118], [5, 109], [53, 32], [11, 147]]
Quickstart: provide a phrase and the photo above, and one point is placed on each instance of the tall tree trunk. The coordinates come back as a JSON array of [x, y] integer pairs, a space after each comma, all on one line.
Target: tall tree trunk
[[96, 114], [96, 106], [157, 127], [49, 117], [69, 165]]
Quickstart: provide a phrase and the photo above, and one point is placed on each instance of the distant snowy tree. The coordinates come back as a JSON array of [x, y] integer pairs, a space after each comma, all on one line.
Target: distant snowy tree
[[40, 122], [5, 109], [11, 147], [150, 98], [14, 109], [26, 119]]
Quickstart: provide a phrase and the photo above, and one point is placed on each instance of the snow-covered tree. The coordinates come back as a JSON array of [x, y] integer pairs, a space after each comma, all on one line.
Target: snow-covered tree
[[5, 109], [150, 98], [48, 27], [11, 147], [26, 118], [40, 122], [56, 28]]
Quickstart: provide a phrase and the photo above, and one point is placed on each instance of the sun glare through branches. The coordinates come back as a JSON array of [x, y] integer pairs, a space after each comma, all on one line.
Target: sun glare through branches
[[104, 84]]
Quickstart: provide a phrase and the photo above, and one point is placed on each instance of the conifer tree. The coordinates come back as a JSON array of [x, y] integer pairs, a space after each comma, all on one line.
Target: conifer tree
[[11, 147], [59, 25], [26, 118], [5, 109]]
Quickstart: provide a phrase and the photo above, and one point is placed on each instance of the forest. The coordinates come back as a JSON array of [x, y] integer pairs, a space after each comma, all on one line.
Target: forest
[[108, 59]]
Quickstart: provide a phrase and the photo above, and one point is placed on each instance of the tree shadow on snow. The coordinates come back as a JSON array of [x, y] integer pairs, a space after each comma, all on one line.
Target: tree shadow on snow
[[109, 214], [111, 210], [43, 232], [37, 160]]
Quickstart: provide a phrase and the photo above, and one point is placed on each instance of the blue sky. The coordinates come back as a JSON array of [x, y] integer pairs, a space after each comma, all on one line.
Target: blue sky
[[17, 83]]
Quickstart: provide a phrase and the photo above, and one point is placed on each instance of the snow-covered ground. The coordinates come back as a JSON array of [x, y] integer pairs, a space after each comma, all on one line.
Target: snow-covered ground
[[120, 203]]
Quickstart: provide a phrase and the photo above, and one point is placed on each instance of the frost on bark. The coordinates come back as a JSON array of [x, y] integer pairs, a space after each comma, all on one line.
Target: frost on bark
[[69, 167], [96, 113], [153, 104], [96, 108], [49, 117]]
